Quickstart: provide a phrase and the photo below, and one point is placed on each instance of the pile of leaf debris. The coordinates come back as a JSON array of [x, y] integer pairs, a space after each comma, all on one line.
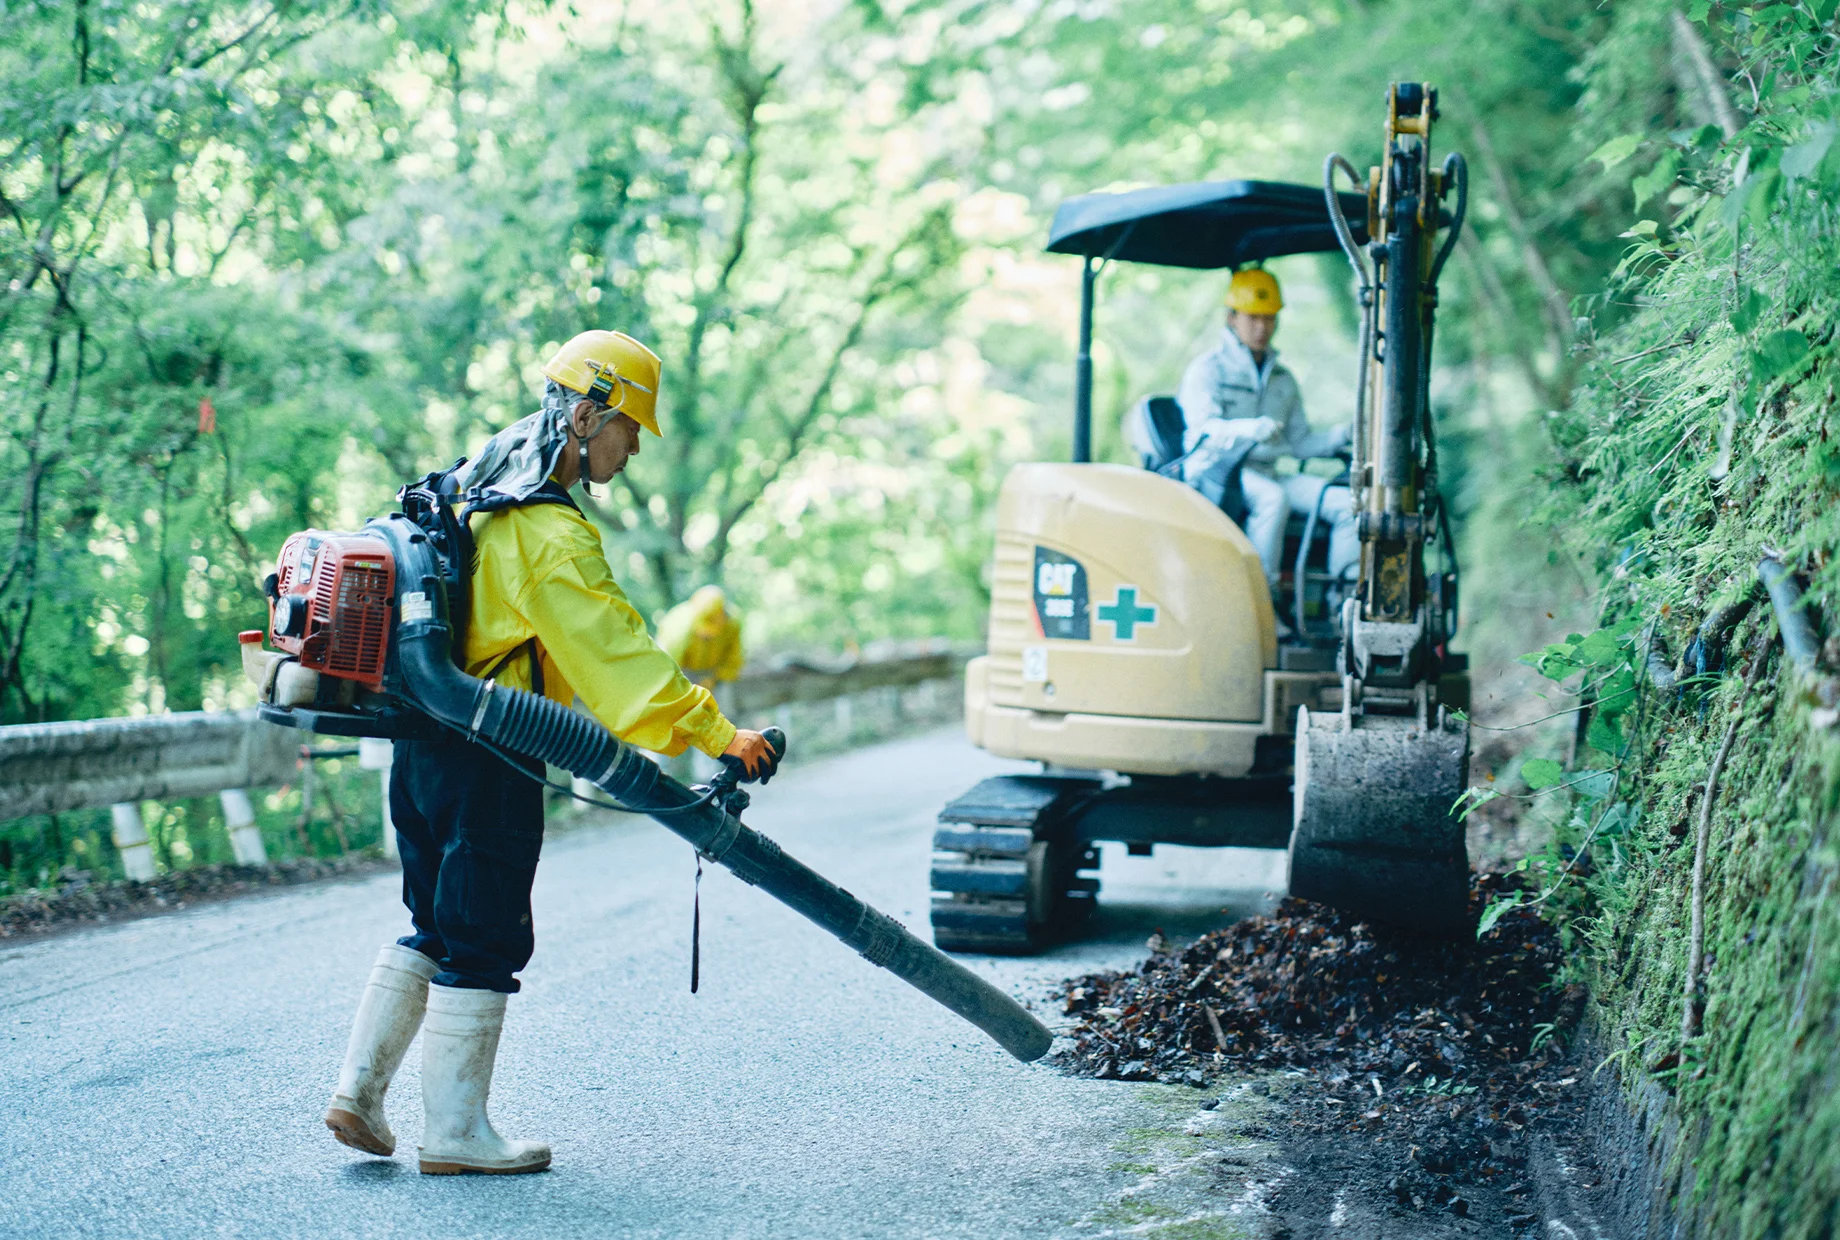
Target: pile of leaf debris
[[1311, 987], [1452, 1047], [76, 897]]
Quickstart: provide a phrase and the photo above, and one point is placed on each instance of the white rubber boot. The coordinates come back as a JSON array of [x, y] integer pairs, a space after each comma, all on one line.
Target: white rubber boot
[[459, 1047], [388, 1016]]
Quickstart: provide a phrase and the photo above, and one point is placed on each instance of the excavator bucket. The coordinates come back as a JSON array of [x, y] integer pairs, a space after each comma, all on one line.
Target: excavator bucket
[[1373, 832]]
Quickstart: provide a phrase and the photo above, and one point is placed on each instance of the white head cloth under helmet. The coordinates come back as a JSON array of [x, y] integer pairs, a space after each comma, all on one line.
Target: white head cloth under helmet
[[516, 462]]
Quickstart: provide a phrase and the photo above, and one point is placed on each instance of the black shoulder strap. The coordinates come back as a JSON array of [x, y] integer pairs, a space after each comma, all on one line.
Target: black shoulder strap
[[551, 492], [430, 501]]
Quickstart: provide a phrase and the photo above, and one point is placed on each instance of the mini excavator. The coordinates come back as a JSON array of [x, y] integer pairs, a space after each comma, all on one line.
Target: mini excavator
[[1133, 645]]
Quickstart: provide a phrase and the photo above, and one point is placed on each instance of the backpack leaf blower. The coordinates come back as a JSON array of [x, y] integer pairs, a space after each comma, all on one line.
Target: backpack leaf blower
[[363, 627]]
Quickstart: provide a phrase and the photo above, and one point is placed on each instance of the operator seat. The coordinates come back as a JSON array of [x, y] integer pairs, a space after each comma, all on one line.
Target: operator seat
[[1157, 429]]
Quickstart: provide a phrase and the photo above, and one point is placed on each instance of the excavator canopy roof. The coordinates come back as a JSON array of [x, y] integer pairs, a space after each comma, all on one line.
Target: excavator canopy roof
[[1207, 224]]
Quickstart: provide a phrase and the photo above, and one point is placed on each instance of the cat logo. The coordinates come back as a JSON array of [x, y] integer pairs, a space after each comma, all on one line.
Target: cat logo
[[1060, 596]]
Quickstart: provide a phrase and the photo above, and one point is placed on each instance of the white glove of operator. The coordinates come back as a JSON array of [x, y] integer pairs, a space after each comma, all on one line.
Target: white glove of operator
[[1259, 430]]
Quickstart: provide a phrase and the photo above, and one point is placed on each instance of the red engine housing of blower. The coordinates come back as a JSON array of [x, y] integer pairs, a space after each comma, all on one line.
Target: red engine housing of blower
[[331, 608]]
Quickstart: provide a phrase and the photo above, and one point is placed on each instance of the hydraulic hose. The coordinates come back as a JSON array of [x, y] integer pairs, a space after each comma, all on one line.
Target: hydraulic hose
[[535, 726], [1344, 233], [1364, 280], [1456, 175]]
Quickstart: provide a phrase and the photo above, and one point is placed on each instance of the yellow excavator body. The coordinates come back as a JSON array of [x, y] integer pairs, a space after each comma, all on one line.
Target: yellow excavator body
[[1131, 630]]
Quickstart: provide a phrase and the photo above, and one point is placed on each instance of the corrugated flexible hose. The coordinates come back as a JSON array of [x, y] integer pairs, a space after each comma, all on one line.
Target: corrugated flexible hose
[[535, 726]]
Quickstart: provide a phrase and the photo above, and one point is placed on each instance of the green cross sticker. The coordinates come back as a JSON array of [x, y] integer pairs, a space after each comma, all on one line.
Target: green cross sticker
[[1125, 615]]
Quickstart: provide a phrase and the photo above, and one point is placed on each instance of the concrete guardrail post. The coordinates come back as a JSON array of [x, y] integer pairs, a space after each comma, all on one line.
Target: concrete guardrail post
[[131, 842], [376, 753], [246, 845]]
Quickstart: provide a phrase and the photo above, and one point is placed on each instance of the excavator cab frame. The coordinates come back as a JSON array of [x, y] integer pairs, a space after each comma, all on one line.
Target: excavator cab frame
[[1204, 226]]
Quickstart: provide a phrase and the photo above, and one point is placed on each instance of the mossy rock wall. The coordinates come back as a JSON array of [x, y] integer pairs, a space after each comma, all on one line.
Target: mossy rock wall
[[1702, 440]]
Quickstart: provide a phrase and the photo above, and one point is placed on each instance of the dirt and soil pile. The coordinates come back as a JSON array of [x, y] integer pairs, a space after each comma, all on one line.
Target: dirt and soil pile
[[1452, 1048], [1311, 987]]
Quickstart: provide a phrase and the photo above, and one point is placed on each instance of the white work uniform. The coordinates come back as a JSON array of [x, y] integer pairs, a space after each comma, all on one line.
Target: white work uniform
[[1223, 392]]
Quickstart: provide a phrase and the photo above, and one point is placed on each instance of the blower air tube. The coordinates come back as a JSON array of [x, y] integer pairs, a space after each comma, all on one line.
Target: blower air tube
[[525, 723]]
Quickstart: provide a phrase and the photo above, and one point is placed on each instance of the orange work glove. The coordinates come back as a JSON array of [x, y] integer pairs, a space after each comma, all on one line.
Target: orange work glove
[[754, 754]]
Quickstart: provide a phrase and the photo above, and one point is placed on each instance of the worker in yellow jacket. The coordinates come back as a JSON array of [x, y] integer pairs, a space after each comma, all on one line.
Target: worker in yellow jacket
[[704, 637], [545, 614]]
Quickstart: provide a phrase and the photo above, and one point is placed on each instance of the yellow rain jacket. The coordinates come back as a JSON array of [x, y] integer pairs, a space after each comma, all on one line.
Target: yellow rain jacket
[[703, 636], [539, 572]]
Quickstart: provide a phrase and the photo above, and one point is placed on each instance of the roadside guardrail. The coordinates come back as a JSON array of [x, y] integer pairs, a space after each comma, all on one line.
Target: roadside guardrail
[[48, 768]]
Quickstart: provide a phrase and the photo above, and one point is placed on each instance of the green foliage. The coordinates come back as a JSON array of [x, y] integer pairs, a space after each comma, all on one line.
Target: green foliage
[[1496, 908], [148, 154], [1538, 773], [1268, 89], [353, 234], [1697, 441], [1604, 665], [1617, 149]]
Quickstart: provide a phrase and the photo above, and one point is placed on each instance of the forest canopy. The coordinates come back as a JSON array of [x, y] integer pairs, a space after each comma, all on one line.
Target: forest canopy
[[264, 262]]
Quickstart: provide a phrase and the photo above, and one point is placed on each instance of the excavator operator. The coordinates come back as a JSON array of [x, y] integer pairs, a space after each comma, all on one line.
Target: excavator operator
[[545, 614], [1239, 391]]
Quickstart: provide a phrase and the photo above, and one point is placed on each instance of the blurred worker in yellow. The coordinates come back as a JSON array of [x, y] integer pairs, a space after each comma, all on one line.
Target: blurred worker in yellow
[[1239, 391], [544, 614], [704, 637]]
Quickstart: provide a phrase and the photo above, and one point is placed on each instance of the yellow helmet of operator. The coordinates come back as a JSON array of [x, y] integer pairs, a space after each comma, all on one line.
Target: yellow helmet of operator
[[614, 369], [1254, 291]]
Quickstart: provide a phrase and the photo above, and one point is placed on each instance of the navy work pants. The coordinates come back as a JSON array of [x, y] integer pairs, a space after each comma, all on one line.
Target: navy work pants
[[469, 828]]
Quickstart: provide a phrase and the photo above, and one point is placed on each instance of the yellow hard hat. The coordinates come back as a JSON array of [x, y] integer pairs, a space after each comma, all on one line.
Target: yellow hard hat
[[1254, 291], [614, 369]]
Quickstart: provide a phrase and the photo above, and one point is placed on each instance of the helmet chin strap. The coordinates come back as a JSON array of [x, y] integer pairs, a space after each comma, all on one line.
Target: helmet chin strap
[[581, 455]]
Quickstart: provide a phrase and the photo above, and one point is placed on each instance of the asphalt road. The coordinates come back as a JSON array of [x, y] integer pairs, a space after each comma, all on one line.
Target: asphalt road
[[166, 1077]]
